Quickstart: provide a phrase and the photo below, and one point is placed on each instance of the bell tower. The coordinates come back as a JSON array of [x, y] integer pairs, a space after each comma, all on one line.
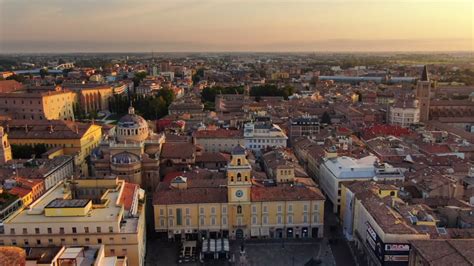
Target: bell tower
[[5, 148], [239, 185], [423, 94], [238, 176]]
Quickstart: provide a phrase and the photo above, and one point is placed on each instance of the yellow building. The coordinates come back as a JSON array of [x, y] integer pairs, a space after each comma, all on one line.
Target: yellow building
[[74, 138], [83, 212], [5, 148], [36, 104], [91, 97], [201, 203]]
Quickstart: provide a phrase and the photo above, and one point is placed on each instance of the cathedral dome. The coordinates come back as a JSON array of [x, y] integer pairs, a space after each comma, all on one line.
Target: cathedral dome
[[125, 158], [132, 127]]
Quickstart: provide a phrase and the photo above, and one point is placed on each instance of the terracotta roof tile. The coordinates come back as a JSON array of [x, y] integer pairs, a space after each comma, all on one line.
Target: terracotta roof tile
[[285, 192], [218, 133], [128, 194], [177, 150]]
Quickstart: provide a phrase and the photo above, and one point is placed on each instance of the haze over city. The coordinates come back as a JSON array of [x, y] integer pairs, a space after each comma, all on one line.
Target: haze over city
[[236, 132], [241, 25]]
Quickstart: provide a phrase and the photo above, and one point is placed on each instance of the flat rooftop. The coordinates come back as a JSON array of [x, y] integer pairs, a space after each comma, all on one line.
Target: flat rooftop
[[348, 167], [35, 214], [68, 203]]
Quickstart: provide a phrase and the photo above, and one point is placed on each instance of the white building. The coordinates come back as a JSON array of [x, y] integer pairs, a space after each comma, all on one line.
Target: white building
[[336, 170], [168, 75], [261, 135], [404, 113]]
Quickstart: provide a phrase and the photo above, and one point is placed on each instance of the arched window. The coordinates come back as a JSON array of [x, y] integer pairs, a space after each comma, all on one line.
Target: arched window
[[231, 179], [239, 162], [239, 177], [239, 209], [246, 178]]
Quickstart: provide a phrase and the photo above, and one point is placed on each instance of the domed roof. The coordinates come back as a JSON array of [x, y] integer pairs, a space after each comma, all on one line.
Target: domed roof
[[132, 127], [125, 157], [131, 120]]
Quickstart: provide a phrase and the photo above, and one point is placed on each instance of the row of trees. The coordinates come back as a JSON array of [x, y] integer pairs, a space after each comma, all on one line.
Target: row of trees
[[139, 77], [198, 76], [150, 107], [271, 90], [209, 94]]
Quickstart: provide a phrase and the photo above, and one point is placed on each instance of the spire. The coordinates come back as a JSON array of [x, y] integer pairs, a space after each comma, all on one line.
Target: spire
[[424, 75]]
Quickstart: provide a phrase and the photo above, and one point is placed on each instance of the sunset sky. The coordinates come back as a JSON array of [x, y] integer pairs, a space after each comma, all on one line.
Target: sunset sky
[[235, 25]]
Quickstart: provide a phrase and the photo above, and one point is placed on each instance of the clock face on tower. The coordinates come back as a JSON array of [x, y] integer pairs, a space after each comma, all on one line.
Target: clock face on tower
[[239, 193]]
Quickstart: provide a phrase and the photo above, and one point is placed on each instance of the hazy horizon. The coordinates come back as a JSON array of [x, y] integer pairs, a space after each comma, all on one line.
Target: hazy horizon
[[59, 26]]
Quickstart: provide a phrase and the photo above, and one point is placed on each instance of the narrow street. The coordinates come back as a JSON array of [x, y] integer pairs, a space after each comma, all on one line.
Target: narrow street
[[333, 232]]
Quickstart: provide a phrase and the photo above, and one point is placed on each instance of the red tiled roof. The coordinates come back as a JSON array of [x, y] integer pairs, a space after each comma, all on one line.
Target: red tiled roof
[[286, 193], [177, 150], [127, 196], [385, 130], [7, 86], [218, 133], [190, 195], [20, 191], [41, 129], [211, 157], [12, 256], [29, 183], [434, 148]]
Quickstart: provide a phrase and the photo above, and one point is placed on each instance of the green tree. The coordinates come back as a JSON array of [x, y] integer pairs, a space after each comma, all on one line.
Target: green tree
[[271, 90], [208, 94], [139, 77], [198, 76]]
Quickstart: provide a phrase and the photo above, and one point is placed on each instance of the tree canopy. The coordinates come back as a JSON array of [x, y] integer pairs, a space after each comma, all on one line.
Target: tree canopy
[[150, 107], [271, 90], [139, 77], [198, 76], [208, 94]]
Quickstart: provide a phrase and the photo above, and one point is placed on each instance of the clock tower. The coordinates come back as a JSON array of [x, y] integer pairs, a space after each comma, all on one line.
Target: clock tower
[[239, 185], [238, 176]]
